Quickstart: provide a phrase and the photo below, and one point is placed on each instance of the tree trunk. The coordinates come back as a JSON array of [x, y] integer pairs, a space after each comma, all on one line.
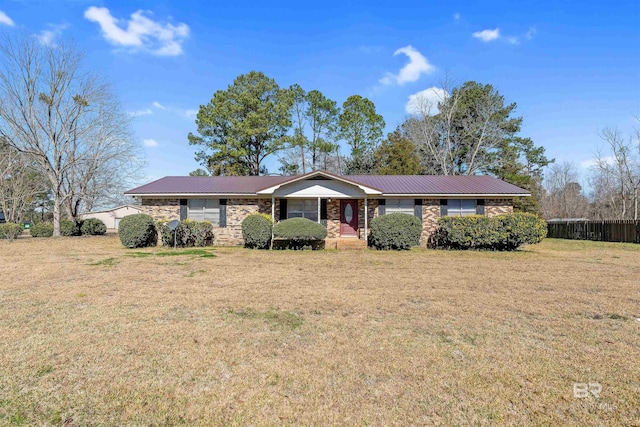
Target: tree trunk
[[56, 215]]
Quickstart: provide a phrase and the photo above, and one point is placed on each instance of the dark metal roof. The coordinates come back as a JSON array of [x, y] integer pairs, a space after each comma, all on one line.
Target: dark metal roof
[[387, 184], [438, 184], [208, 184]]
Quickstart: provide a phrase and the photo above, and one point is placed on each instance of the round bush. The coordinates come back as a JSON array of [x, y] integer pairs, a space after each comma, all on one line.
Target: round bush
[[137, 231], [42, 229], [299, 232], [70, 228], [93, 227], [10, 231], [256, 231], [395, 231], [521, 229]]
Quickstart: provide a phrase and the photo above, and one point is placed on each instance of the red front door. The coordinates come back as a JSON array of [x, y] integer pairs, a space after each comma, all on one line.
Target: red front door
[[348, 217]]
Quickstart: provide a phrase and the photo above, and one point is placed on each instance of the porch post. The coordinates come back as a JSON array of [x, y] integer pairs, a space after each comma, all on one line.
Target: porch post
[[319, 220], [366, 217], [273, 216]]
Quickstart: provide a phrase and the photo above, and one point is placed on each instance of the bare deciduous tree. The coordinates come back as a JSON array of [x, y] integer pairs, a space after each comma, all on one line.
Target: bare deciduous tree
[[19, 184], [563, 196], [617, 175], [66, 120]]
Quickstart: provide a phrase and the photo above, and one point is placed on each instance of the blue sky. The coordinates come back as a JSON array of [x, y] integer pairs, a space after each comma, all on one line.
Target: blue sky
[[572, 67]]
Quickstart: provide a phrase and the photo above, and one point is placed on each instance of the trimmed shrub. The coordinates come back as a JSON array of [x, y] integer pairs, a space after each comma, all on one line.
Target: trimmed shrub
[[93, 227], [42, 229], [256, 231], [10, 231], [467, 232], [296, 233], [137, 231], [395, 231], [501, 233], [521, 229], [188, 234], [70, 228]]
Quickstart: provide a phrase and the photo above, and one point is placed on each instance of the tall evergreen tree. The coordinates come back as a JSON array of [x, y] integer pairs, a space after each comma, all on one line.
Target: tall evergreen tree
[[243, 125]]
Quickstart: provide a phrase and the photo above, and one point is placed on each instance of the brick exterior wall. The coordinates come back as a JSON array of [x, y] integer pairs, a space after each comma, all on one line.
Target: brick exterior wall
[[493, 207], [430, 215], [238, 209], [161, 208]]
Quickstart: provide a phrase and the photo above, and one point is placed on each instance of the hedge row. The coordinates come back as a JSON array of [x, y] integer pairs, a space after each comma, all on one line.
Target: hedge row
[[187, 234], [87, 227], [500, 233]]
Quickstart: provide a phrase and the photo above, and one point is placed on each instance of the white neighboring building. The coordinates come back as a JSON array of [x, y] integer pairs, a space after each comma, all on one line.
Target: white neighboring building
[[112, 217]]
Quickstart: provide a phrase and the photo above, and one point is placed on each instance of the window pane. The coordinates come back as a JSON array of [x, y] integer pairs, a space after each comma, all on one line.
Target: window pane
[[468, 207], [399, 206], [212, 211], [305, 208], [196, 209], [295, 205]]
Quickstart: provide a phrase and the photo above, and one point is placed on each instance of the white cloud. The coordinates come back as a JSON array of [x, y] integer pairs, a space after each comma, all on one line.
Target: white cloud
[[426, 101], [530, 33], [592, 163], [47, 37], [456, 17], [158, 105], [140, 32], [411, 72], [5, 20], [149, 142], [513, 40], [139, 113], [190, 114], [487, 35]]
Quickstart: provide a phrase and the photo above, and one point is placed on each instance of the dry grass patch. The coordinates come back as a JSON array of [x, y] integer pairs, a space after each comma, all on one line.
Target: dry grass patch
[[95, 334]]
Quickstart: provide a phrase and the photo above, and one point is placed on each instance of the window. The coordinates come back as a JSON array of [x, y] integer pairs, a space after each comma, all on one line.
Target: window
[[204, 210], [405, 206], [461, 207], [303, 208]]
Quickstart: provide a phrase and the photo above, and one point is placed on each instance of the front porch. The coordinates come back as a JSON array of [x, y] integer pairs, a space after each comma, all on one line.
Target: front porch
[[345, 243], [345, 208]]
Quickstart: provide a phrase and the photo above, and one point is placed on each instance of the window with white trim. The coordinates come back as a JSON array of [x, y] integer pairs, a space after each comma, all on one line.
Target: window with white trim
[[461, 207], [405, 206], [303, 208], [204, 210]]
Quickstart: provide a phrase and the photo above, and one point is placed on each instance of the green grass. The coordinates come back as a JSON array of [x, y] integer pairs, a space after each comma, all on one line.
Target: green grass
[[273, 316], [200, 253], [109, 262]]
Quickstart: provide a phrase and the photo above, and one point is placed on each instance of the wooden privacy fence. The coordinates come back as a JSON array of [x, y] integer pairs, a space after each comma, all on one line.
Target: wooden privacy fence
[[605, 231]]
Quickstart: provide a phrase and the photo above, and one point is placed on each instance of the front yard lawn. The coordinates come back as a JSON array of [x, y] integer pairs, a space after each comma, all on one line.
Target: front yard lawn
[[92, 333]]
